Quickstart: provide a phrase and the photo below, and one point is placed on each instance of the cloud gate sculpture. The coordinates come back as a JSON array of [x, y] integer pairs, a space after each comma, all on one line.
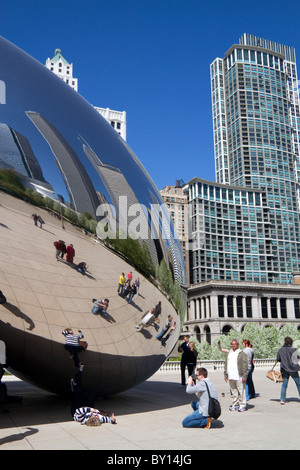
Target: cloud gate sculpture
[[66, 175]]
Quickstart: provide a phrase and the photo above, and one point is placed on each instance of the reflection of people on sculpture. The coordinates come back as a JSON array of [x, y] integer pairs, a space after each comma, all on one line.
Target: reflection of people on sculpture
[[126, 289], [171, 329], [137, 285], [121, 285], [82, 267], [147, 320], [73, 345], [100, 306], [63, 250], [157, 309], [165, 328], [41, 221], [70, 253], [83, 409], [59, 245], [132, 292], [35, 218]]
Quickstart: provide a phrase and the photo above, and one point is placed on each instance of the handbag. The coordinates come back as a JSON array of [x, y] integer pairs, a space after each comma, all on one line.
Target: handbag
[[274, 375], [214, 407]]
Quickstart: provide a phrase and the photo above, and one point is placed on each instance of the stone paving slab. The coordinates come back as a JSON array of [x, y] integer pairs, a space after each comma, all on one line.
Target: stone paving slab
[[149, 418]]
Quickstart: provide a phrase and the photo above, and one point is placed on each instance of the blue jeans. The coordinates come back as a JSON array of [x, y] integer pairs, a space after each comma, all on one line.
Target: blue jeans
[[249, 386], [96, 310], [195, 419], [160, 335], [286, 376]]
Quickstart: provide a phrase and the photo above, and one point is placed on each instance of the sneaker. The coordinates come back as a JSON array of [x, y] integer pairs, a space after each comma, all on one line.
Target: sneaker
[[233, 408], [283, 402], [241, 409], [208, 424]]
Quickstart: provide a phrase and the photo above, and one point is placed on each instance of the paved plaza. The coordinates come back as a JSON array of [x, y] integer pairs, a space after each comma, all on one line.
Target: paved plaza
[[149, 418]]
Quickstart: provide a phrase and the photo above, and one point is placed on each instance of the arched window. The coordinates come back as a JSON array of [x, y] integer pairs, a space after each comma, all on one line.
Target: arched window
[[207, 334]]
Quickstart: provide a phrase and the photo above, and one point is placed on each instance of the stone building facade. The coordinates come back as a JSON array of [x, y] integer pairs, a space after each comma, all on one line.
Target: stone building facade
[[214, 307]]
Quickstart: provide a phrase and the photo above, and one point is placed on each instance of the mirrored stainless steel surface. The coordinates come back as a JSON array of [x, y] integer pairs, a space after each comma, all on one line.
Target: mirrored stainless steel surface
[[60, 160]]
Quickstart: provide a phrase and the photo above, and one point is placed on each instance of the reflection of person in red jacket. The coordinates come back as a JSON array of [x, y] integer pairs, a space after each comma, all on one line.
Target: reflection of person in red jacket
[[70, 253], [59, 248]]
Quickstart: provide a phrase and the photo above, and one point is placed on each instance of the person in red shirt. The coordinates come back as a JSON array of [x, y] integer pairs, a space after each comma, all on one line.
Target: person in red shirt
[[70, 253]]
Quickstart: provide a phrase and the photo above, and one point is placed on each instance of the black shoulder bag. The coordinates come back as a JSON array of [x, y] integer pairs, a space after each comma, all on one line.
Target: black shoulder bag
[[214, 407]]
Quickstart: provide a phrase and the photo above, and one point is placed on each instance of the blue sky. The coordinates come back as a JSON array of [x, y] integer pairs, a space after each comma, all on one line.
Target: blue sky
[[150, 58]]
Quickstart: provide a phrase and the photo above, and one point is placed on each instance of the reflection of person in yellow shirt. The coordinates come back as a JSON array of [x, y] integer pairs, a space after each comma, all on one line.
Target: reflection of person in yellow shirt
[[121, 283]]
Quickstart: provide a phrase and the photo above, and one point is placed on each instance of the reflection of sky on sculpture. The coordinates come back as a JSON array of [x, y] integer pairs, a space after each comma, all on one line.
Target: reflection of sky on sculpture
[[72, 116]]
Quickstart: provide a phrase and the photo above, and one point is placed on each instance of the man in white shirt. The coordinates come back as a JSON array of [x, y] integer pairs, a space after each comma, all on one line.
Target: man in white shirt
[[236, 371]]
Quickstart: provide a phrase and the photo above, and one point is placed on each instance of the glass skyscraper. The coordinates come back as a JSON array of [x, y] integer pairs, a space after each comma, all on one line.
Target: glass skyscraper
[[256, 123]]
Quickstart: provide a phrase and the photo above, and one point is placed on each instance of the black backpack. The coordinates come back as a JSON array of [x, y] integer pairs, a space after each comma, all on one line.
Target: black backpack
[[214, 407]]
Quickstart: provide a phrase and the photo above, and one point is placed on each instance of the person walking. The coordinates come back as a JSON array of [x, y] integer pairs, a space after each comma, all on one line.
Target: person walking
[[236, 372], [200, 416], [289, 367]]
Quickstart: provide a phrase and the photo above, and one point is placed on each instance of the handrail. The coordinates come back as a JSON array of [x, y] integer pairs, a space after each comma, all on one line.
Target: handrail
[[174, 366]]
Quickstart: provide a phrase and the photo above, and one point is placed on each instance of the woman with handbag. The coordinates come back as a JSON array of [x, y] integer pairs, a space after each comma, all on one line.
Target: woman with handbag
[[289, 367]]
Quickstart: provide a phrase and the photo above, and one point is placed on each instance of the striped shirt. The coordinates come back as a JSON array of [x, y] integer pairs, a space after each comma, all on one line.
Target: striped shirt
[[82, 414], [72, 339]]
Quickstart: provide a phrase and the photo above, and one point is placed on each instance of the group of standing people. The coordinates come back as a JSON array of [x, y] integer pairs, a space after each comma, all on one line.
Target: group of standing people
[[61, 250], [238, 373], [127, 288]]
